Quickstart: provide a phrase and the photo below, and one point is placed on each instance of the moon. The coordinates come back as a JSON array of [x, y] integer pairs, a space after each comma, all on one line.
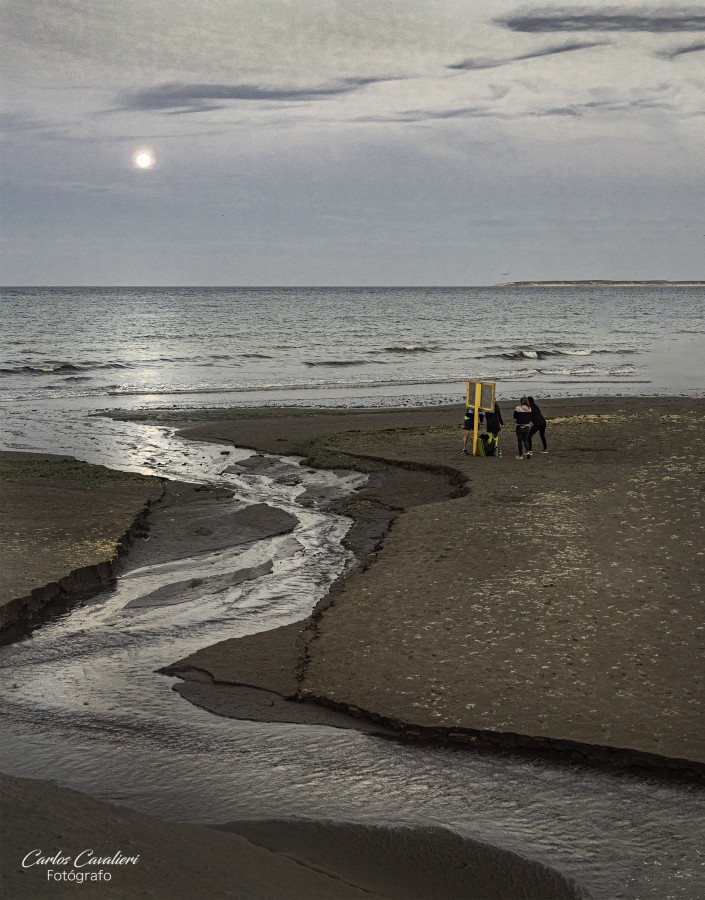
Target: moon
[[143, 159]]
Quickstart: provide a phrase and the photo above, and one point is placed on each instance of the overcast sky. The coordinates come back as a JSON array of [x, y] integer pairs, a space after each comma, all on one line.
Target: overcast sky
[[358, 142]]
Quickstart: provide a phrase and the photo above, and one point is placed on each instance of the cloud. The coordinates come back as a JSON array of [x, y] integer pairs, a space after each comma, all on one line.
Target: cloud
[[17, 123], [657, 21], [466, 112], [412, 116], [617, 106], [681, 51], [474, 64], [203, 97], [575, 110], [13, 121]]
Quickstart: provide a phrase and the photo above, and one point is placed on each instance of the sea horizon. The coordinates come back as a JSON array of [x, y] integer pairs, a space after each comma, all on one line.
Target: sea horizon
[[544, 282], [345, 346]]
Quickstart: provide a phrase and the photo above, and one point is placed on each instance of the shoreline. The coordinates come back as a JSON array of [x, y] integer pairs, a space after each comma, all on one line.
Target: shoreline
[[215, 676], [410, 457]]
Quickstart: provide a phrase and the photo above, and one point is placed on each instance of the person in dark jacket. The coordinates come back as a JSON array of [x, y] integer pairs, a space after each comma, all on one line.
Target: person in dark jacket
[[522, 416], [493, 423], [538, 423]]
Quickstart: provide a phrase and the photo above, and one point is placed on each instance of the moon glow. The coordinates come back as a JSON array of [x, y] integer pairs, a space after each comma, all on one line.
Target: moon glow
[[143, 159]]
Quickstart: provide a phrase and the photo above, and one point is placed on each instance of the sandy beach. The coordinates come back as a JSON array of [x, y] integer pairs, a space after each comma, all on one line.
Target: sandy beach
[[549, 606], [547, 603]]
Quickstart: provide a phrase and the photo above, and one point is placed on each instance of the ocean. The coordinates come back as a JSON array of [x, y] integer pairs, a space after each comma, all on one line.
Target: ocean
[[345, 346]]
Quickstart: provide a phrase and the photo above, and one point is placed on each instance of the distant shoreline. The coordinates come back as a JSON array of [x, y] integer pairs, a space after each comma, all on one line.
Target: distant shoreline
[[599, 282]]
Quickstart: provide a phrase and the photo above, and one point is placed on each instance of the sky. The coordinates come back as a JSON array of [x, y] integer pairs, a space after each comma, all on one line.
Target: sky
[[367, 142]]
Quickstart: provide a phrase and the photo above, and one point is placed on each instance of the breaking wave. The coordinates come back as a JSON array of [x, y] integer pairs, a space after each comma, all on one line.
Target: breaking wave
[[58, 368], [41, 369], [547, 353], [333, 363], [406, 348], [332, 383]]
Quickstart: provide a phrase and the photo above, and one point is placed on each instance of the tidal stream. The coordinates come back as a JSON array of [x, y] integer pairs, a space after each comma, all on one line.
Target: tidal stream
[[82, 704]]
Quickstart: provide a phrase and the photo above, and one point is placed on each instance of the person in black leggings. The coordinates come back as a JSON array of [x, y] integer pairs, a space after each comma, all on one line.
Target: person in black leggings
[[522, 416], [538, 423]]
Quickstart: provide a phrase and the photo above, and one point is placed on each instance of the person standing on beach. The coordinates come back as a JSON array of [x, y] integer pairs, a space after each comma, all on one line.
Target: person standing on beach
[[522, 416], [493, 423], [538, 423], [469, 427]]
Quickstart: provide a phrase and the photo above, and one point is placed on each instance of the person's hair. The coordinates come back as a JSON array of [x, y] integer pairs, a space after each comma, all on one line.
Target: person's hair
[[524, 400], [531, 401]]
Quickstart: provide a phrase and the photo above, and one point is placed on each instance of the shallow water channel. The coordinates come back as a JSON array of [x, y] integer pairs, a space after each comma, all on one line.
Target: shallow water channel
[[83, 706]]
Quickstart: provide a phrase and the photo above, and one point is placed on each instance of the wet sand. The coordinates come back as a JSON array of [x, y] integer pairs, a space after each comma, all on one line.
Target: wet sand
[[69, 527], [175, 861], [547, 603], [64, 525], [276, 859], [553, 603]]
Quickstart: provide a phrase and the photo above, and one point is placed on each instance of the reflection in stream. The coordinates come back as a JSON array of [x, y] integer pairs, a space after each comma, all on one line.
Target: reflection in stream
[[82, 705]]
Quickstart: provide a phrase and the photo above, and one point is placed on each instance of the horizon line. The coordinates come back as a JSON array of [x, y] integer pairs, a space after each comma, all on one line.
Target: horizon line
[[523, 281]]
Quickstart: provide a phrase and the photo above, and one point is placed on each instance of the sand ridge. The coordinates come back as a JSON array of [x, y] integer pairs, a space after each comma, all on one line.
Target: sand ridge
[[65, 523]]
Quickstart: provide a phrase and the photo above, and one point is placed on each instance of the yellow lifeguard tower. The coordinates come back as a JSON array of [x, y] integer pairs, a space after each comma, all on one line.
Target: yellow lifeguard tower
[[479, 396]]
